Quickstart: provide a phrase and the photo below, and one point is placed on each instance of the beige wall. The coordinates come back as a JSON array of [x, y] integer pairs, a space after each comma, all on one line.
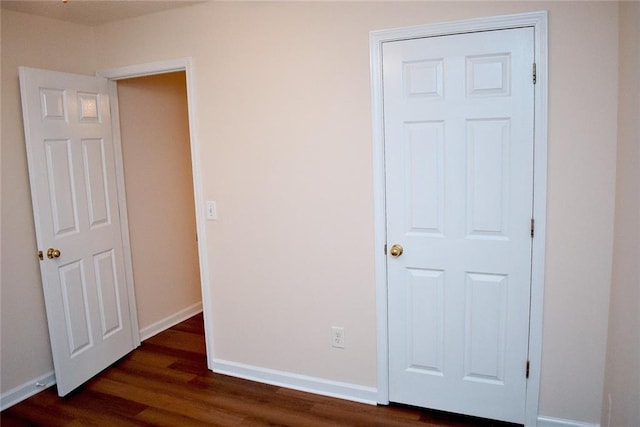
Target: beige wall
[[622, 383], [35, 42], [284, 121], [154, 128], [1, 167], [284, 125], [0, 179]]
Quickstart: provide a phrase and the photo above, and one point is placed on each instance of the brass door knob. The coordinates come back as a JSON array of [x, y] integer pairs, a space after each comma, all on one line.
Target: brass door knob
[[53, 253], [396, 250]]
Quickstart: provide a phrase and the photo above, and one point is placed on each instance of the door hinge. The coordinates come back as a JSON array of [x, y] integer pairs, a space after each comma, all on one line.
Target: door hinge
[[533, 226], [40, 256], [535, 74], [385, 248], [527, 370]]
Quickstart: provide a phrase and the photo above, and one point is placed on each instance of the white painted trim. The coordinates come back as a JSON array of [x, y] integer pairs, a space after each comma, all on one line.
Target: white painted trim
[[26, 390], [148, 69], [340, 390], [537, 20], [559, 422], [538, 253], [169, 321], [186, 65], [122, 209], [379, 215]]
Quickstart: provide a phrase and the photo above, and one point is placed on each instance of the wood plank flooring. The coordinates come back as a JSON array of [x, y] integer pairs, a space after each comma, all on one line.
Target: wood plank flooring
[[165, 382]]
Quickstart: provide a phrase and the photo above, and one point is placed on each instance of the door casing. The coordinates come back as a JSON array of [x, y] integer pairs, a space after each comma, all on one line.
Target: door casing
[[538, 21], [140, 70]]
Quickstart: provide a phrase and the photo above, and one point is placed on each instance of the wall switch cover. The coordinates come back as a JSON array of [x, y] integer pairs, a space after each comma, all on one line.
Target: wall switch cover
[[212, 210]]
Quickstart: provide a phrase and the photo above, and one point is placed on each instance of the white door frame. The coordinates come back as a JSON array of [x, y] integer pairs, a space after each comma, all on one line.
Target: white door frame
[[148, 69], [537, 20]]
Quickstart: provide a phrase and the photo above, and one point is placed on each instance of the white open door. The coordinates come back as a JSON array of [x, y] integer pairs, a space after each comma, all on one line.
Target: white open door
[[458, 123], [71, 159]]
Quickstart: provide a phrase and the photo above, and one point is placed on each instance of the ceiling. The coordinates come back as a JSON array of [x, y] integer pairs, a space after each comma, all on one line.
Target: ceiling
[[92, 12]]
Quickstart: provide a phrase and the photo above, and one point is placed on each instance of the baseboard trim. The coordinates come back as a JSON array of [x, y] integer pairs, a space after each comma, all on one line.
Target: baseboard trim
[[26, 390], [347, 391], [167, 322], [559, 422]]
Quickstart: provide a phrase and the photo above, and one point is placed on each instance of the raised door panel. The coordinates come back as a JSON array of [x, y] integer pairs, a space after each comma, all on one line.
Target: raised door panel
[[76, 307], [424, 78], [485, 327], [53, 105], [64, 200], [488, 75], [89, 107], [96, 184], [424, 166], [425, 321], [487, 178], [108, 294]]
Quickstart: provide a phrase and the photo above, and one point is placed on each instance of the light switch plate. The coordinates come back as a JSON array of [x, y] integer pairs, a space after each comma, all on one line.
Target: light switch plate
[[212, 210]]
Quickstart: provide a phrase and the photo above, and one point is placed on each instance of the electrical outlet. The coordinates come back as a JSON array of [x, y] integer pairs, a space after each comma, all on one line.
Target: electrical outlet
[[337, 336]]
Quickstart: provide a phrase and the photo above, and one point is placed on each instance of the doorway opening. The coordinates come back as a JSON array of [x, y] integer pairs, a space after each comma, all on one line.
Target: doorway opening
[[154, 133], [181, 71]]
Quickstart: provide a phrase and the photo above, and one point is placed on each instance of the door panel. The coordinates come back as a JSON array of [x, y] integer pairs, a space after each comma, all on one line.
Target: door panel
[[74, 299], [73, 185], [63, 194], [424, 164], [485, 312], [426, 321], [458, 119], [108, 297], [97, 187], [487, 189]]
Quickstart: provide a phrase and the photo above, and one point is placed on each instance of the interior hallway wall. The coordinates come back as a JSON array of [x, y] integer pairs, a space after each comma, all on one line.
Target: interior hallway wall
[[622, 382], [154, 129]]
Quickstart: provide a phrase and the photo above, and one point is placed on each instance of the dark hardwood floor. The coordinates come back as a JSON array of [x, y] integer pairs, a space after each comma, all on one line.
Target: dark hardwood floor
[[165, 382]]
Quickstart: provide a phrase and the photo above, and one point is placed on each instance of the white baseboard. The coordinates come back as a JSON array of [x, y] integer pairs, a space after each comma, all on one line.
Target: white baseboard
[[170, 321], [347, 391], [559, 422], [26, 390]]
